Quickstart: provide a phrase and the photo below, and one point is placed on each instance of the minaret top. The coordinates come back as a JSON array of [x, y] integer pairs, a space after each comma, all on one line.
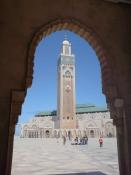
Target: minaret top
[[66, 47], [66, 42], [66, 56]]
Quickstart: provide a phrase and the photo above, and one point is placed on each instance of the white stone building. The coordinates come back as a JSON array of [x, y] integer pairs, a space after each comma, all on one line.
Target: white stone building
[[70, 120], [91, 121]]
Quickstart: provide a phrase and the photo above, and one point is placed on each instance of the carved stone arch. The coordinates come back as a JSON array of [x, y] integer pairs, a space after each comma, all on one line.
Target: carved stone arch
[[87, 33], [91, 122], [90, 35], [109, 123], [34, 127], [109, 129]]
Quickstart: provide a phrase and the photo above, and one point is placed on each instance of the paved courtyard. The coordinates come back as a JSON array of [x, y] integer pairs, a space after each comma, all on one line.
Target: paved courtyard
[[49, 156]]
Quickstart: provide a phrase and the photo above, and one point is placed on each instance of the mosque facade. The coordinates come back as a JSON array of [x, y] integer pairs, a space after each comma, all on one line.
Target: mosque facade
[[70, 119]]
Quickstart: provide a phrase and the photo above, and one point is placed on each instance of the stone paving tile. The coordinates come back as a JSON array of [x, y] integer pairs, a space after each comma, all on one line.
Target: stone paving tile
[[49, 157]]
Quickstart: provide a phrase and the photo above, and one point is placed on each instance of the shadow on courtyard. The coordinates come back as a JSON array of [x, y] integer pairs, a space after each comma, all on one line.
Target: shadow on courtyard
[[90, 173]]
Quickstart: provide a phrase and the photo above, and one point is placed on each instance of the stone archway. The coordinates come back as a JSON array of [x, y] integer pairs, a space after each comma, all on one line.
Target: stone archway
[[111, 22], [90, 36], [86, 33], [92, 133], [47, 133]]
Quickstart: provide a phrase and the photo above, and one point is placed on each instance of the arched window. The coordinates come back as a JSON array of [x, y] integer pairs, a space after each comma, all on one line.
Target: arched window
[[68, 73], [67, 117], [92, 134]]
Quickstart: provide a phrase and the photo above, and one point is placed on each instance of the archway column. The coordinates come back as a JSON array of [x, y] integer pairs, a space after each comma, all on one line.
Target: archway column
[[122, 121], [17, 99], [118, 121], [4, 133], [117, 113], [127, 129]]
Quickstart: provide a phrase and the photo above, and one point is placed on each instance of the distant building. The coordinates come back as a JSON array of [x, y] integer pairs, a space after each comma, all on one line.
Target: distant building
[[69, 120], [90, 120]]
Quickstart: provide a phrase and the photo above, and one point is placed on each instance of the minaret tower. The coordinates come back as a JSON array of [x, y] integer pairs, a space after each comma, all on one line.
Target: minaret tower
[[66, 88]]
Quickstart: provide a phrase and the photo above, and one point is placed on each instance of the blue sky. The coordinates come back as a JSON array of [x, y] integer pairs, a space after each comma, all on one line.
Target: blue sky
[[43, 93]]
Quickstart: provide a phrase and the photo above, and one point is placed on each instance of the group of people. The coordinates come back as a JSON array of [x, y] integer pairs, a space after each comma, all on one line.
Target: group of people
[[77, 140], [81, 141]]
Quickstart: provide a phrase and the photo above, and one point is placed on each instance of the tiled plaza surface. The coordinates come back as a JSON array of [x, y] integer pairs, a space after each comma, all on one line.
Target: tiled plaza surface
[[49, 156]]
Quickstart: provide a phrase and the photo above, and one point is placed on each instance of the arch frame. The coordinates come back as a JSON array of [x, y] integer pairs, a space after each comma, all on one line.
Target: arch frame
[[86, 33]]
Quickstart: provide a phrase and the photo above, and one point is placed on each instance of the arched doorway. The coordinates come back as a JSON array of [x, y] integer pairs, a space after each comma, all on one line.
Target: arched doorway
[[92, 133], [102, 17], [82, 30], [47, 133], [109, 129]]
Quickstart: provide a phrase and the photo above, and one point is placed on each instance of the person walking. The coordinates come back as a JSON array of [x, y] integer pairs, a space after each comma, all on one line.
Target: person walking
[[64, 140], [101, 142], [86, 140]]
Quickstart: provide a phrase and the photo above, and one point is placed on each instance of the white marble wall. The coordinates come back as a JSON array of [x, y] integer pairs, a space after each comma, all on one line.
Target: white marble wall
[[92, 124]]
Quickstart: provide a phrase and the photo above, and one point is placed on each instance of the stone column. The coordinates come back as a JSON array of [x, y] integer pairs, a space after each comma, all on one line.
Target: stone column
[[4, 133], [122, 121], [118, 121], [115, 105], [17, 99], [27, 134], [127, 129]]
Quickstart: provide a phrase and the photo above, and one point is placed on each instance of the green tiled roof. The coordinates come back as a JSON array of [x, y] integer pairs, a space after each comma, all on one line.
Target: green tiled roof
[[80, 108], [90, 109], [84, 105], [45, 113]]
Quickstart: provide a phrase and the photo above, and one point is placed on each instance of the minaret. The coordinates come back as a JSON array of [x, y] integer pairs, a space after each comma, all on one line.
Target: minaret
[[66, 113]]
